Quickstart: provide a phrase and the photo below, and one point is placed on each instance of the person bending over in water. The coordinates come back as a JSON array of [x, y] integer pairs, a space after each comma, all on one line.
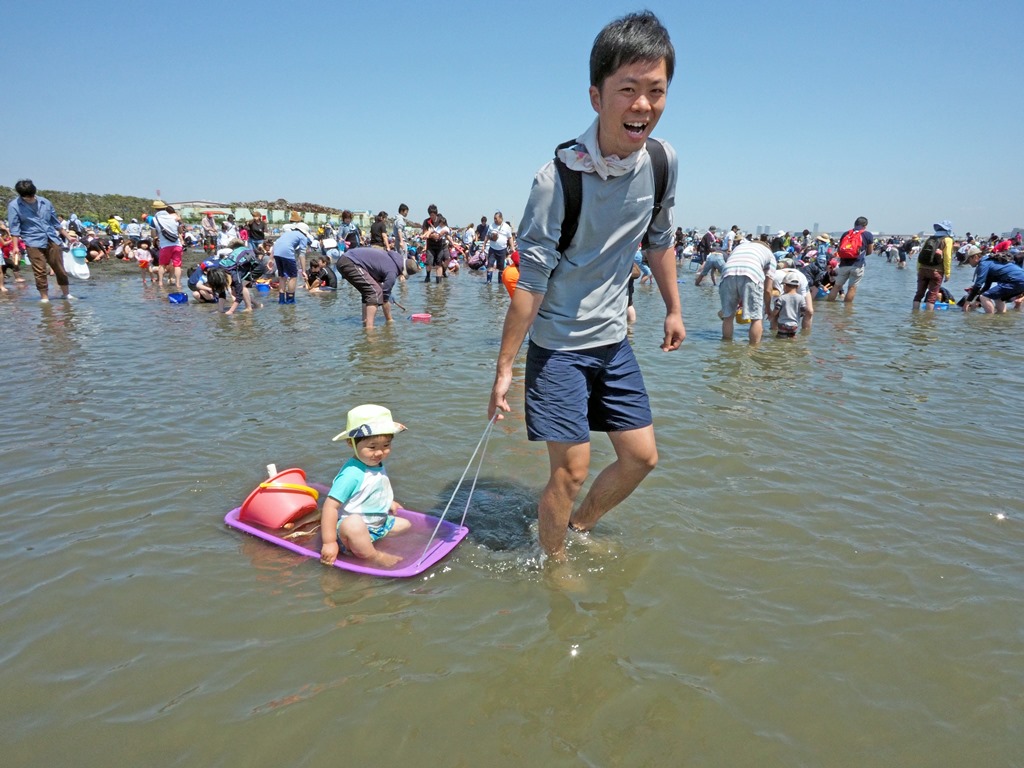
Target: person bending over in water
[[360, 507]]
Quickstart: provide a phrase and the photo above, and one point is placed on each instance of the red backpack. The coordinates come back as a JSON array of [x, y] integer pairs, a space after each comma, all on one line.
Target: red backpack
[[851, 244]]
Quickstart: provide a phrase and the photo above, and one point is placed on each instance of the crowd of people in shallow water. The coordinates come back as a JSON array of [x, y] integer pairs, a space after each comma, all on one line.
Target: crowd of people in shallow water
[[768, 277]]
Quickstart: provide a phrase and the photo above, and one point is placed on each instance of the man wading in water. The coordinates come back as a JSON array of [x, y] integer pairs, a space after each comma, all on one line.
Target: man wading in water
[[581, 375]]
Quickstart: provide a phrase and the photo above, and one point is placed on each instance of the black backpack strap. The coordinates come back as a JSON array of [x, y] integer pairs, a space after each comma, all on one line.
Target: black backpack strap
[[659, 163], [572, 191]]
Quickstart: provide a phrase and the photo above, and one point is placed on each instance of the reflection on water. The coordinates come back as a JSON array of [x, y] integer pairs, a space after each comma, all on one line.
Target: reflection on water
[[823, 569]]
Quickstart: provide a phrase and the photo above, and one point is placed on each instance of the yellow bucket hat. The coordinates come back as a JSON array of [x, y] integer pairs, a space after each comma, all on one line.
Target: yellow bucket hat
[[367, 420]]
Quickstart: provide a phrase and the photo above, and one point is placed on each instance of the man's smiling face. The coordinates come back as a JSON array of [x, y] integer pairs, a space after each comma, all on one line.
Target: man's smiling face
[[629, 104]]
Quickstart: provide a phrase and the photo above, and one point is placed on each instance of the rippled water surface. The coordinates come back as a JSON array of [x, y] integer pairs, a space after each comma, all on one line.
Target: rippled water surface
[[824, 570]]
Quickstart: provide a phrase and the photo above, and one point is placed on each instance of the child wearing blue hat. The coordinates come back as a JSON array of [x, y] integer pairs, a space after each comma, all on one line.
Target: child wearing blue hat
[[360, 506]]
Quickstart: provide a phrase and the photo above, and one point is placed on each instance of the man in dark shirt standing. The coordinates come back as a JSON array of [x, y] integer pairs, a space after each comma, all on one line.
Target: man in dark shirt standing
[[257, 232], [437, 244]]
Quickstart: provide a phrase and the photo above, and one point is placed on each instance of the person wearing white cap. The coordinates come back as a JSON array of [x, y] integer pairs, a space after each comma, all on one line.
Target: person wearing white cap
[[290, 259], [360, 506], [934, 264], [996, 282], [791, 310], [114, 226]]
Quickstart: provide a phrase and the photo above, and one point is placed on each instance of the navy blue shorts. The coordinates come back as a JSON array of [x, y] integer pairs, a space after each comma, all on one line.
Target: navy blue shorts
[[1003, 292], [571, 394], [286, 267]]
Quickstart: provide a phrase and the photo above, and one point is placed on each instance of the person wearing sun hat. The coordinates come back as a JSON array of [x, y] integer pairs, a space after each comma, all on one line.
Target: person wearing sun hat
[[934, 264], [295, 222], [290, 258], [360, 506], [168, 228]]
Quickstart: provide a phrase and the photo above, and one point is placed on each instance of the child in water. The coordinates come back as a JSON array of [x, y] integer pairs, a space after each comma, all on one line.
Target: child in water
[[359, 508], [790, 311], [144, 256]]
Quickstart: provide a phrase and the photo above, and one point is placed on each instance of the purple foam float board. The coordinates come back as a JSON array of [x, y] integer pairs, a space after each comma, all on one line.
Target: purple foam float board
[[408, 545]]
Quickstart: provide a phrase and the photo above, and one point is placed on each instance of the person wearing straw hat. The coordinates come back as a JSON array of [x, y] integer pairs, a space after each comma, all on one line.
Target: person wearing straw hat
[[168, 229], [360, 506]]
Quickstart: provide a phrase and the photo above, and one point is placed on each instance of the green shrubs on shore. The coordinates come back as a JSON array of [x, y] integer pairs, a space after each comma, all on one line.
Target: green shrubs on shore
[[88, 206]]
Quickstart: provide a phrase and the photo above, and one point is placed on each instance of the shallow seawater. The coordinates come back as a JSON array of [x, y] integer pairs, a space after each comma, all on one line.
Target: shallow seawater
[[824, 569]]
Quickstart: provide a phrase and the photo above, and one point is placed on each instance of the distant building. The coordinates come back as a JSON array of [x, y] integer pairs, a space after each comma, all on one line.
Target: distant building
[[196, 209]]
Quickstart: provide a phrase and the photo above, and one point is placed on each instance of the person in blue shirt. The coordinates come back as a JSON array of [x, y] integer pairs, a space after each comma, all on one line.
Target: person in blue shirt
[[32, 218], [290, 258], [995, 283]]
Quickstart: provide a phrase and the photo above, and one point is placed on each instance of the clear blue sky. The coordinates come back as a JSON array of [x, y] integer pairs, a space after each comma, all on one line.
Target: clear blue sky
[[784, 113]]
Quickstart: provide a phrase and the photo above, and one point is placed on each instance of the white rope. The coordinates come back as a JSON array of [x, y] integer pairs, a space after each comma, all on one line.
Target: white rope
[[484, 439]]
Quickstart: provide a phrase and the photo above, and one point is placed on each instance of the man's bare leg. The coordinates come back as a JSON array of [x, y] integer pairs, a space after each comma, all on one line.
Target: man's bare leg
[[570, 463], [635, 456]]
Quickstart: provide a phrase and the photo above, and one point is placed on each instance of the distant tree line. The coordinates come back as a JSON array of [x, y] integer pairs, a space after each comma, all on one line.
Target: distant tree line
[[87, 205]]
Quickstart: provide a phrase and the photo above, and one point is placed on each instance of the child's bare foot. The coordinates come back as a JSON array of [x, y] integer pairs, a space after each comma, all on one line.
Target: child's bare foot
[[384, 560]]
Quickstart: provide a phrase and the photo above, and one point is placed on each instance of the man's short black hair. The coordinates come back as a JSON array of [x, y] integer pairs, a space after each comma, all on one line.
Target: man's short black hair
[[403, 209], [862, 221], [25, 188], [635, 37]]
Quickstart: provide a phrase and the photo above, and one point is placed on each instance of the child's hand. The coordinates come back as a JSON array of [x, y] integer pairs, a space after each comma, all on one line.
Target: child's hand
[[395, 506], [329, 553]]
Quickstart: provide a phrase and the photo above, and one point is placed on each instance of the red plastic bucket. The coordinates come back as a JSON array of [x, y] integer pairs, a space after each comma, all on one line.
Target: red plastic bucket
[[279, 500]]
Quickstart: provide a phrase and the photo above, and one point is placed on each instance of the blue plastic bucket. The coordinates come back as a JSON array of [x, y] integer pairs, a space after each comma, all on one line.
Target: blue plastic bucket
[[177, 298], [263, 287]]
